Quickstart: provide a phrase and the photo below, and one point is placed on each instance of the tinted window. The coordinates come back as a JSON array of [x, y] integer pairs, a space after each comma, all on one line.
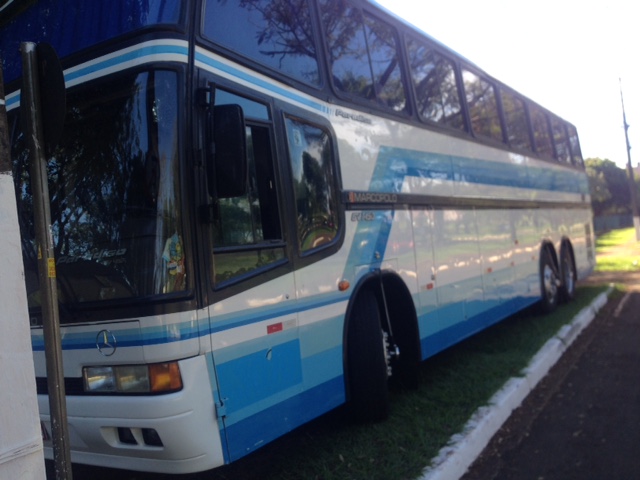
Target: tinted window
[[541, 135], [434, 81], [247, 234], [277, 34], [312, 166], [363, 52], [515, 117], [574, 143], [115, 198], [560, 140], [482, 105]]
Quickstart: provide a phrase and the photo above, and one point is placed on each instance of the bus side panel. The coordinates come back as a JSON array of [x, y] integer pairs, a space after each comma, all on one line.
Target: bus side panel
[[423, 222], [276, 368], [485, 269]]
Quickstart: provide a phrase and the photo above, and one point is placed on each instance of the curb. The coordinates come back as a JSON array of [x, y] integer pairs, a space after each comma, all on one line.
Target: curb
[[463, 448]]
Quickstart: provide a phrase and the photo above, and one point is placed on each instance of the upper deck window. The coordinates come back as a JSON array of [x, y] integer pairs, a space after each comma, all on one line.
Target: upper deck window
[[541, 135], [560, 140], [434, 81], [515, 116], [483, 107], [277, 34], [574, 143], [364, 55]]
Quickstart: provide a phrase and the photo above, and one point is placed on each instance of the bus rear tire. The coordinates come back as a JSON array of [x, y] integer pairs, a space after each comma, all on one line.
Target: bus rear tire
[[568, 275], [366, 362], [548, 283]]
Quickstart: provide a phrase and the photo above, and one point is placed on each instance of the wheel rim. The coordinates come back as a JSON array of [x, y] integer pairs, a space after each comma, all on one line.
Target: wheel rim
[[550, 283], [569, 277]]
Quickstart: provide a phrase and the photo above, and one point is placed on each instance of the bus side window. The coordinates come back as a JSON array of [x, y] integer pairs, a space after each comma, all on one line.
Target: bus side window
[[574, 143], [560, 140], [364, 55], [435, 85], [247, 234], [541, 135], [314, 184], [516, 119], [482, 105]]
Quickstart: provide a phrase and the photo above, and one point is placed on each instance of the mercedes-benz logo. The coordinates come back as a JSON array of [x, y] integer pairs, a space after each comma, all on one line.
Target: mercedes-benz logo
[[106, 343]]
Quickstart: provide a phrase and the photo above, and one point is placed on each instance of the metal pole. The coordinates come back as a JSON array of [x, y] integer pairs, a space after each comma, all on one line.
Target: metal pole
[[30, 109], [632, 182]]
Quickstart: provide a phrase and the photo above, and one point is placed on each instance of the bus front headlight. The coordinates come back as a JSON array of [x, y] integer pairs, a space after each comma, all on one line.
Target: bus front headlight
[[155, 378]]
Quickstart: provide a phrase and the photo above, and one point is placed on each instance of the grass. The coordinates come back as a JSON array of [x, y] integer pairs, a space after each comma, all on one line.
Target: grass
[[453, 385], [618, 251]]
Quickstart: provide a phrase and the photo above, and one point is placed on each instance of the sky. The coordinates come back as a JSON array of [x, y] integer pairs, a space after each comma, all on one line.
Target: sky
[[570, 56]]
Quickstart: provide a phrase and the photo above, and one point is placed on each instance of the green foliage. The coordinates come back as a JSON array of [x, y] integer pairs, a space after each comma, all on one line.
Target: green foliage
[[609, 187], [618, 251]]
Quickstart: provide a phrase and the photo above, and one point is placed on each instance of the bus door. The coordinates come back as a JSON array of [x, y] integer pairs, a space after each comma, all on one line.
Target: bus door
[[252, 312]]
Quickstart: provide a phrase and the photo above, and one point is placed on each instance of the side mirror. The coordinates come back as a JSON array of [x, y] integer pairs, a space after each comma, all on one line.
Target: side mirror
[[227, 169]]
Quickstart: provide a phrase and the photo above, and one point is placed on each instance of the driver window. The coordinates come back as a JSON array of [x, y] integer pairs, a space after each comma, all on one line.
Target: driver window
[[247, 234]]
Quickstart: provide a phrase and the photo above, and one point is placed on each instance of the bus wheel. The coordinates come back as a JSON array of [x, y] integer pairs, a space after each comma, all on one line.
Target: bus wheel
[[568, 274], [548, 282], [367, 361]]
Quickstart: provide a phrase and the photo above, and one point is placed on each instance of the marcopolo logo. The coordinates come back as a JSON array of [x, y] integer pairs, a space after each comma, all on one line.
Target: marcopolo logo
[[372, 197]]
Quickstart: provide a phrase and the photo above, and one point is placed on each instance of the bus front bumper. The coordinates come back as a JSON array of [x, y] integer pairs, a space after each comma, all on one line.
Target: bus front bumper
[[173, 433]]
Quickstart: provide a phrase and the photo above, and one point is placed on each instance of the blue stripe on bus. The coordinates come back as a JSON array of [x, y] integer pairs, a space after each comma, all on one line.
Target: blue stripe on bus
[[252, 378], [109, 63], [369, 243], [136, 54], [257, 82], [459, 330], [395, 164], [259, 429], [175, 332], [126, 338]]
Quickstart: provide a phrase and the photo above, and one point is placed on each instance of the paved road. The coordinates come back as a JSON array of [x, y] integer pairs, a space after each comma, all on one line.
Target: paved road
[[583, 420]]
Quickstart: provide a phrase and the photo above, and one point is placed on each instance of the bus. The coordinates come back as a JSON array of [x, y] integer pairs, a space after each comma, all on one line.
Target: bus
[[265, 209]]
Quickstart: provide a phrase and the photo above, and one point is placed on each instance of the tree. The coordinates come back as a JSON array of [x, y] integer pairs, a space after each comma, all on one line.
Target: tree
[[609, 187]]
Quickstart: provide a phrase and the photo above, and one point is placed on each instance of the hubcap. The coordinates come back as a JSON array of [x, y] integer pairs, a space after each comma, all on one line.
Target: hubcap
[[569, 278], [550, 283]]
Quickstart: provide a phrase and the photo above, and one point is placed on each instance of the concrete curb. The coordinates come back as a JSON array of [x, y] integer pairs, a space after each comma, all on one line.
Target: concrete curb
[[456, 457]]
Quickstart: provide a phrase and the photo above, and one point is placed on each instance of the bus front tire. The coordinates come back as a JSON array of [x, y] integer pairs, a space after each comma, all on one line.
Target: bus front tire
[[367, 362]]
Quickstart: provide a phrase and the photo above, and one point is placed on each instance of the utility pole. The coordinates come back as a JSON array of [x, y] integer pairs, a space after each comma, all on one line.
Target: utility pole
[[632, 182], [31, 108]]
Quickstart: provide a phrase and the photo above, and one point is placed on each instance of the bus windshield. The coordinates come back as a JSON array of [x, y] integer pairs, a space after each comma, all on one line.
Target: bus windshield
[[115, 192]]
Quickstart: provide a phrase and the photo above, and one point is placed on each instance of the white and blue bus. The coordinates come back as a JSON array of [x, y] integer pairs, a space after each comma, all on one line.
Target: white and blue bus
[[265, 209]]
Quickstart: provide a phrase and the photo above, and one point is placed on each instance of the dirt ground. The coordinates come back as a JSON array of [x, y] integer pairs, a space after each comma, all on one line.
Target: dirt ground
[[583, 419]]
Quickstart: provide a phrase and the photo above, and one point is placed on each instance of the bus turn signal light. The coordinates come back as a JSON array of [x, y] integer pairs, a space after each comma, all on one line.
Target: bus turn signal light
[[165, 377]]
